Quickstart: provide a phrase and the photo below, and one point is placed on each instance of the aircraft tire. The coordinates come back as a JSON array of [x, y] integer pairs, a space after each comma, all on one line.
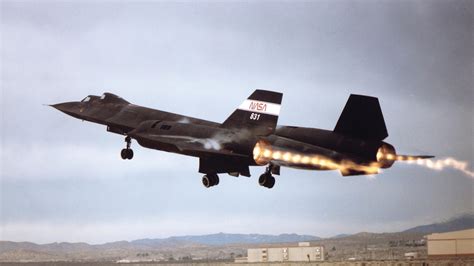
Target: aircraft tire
[[206, 182], [216, 180], [270, 182], [210, 180], [266, 180], [124, 154], [129, 154]]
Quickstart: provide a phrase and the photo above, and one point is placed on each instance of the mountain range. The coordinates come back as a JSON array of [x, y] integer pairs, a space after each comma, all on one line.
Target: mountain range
[[461, 222], [225, 239], [206, 244]]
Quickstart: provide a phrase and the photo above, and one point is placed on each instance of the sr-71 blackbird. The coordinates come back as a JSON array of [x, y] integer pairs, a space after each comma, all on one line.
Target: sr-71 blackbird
[[250, 136]]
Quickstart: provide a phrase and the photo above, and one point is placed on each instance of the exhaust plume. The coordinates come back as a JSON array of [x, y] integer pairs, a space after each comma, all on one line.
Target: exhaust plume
[[441, 164]]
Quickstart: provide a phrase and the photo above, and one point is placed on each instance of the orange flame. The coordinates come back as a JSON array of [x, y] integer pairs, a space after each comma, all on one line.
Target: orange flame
[[264, 152]]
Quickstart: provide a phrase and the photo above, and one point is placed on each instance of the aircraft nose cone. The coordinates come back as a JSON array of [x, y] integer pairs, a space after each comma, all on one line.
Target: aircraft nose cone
[[62, 106], [69, 108]]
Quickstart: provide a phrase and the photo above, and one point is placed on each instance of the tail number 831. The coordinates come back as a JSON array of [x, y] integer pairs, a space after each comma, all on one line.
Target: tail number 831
[[254, 116]]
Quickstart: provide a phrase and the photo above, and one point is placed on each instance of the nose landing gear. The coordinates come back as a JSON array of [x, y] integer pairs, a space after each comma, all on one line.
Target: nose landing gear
[[127, 153]]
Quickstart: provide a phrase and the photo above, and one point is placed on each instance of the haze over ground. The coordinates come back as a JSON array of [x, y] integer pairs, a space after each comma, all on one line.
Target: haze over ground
[[63, 180]]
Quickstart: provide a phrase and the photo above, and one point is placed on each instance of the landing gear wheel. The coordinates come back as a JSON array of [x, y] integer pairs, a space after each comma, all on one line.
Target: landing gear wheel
[[123, 154], [206, 181], [266, 180], [210, 180], [127, 153]]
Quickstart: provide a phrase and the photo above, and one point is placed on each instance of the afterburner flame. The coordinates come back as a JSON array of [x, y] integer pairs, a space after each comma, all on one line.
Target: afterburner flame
[[438, 165], [264, 152]]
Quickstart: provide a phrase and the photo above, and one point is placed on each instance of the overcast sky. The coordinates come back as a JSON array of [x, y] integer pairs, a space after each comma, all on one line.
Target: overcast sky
[[63, 179]]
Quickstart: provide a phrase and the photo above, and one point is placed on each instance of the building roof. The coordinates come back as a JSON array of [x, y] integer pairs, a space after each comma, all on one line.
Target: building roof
[[462, 234]]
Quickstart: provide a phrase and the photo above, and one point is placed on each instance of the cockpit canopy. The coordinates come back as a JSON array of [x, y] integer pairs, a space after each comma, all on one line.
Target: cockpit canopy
[[86, 100], [105, 98], [111, 98]]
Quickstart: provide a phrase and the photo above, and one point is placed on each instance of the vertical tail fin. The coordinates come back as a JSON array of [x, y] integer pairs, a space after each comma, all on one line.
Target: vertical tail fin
[[362, 118], [258, 113]]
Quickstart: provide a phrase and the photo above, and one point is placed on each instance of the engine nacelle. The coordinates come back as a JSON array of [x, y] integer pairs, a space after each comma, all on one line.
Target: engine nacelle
[[363, 157]]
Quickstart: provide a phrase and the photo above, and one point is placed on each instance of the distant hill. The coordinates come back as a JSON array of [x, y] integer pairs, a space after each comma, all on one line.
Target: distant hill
[[340, 236], [201, 246], [213, 246], [226, 239], [462, 222], [220, 239]]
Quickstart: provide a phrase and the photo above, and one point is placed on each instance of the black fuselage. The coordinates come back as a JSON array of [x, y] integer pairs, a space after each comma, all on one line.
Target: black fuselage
[[149, 127], [250, 136]]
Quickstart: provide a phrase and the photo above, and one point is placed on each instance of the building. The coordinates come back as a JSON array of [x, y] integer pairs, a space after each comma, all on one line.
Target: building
[[303, 252], [451, 244], [411, 255]]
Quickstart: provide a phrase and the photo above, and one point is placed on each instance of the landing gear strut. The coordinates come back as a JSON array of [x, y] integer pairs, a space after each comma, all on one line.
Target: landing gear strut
[[266, 179], [127, 153], [210, 180]]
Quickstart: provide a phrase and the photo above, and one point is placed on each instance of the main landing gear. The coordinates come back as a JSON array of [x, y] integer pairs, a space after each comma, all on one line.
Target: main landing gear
[[266, 179], [210, 180], [127, 153]]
